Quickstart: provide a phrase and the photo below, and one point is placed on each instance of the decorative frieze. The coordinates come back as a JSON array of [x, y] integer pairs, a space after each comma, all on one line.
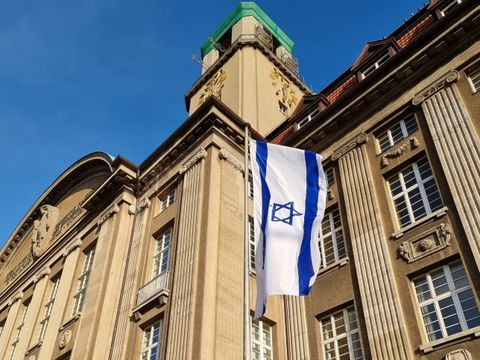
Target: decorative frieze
[[42, 229], [71, 247], [112, 210], [200, 155], [230, 159], [412, 144], [19, 268], [426, 243], [71, 216], [141, 205], [359, 140], [438, 85]]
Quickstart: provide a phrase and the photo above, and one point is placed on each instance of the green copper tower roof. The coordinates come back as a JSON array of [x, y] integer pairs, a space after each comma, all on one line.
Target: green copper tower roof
[[249, 9]]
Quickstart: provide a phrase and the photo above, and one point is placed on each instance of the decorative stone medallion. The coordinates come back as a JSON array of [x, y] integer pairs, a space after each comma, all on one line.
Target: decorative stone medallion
[[65, 339], [460, 354], [214, 86], [426, 243]]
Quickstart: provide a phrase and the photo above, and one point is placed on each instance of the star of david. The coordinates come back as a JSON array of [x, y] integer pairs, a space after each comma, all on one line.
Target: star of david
[[284, 212]]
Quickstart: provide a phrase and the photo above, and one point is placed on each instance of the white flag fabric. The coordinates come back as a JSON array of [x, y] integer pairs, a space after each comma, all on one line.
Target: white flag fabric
[[289, 201]]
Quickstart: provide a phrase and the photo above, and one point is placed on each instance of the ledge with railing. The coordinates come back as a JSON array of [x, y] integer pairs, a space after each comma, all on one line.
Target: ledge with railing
[[153, 288]]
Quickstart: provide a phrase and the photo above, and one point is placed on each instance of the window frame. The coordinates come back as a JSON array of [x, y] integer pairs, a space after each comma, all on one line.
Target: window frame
[[251, 244], [262, 326], [404, 129], [349, 332], [147, 350], [330, 215], [48, 306], [435, 299], [168, 200], [19, 329], [161, 252], [381, 59], [406, 191], [474, 83], [83, 280], [452, 4]]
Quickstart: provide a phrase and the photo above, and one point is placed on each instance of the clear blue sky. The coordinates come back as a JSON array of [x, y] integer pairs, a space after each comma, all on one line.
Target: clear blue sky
[[85, 75]]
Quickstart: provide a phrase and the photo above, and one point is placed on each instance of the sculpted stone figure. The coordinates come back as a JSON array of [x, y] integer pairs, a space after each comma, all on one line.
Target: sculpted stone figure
[[42, 229]]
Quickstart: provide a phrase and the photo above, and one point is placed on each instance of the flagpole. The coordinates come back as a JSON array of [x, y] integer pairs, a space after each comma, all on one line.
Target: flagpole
[[246, 274]]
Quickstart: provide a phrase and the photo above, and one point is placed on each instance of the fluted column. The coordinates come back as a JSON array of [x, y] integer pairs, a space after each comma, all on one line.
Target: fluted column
[[71, 255], [119, 347], [41, 282], [14, 304], [296, 328], [181, 332], [386, 329], [458, 147]]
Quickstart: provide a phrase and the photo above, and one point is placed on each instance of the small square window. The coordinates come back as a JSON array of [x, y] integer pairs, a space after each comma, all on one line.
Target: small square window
[[283, 108]]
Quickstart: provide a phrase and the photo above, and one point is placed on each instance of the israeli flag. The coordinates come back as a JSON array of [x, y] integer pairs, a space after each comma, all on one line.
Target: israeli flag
[[289, 201]]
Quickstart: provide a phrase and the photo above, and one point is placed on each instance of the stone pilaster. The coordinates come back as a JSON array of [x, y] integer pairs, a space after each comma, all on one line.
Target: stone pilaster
[[71, 255], [183, 303], [99, 277], [14, 304], [458, 147], [296, 328], [227, 240], [34, 310], [140, 211], [386, 328]]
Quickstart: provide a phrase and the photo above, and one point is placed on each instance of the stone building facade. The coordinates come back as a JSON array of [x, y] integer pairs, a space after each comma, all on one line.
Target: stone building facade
[[124, 261]]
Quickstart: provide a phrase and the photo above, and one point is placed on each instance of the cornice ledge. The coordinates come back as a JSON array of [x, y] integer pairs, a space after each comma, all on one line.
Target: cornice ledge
[[44, 272], [439, 84], [17, 296], [200, 155], [358, 140], [112, 210], [224, 154], [141, 205], [71, 247]]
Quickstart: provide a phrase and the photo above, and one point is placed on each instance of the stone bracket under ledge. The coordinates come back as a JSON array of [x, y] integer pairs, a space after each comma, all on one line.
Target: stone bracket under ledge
[[471, 333], [69, 322], [436, 214], [159, 300], [336, 265]]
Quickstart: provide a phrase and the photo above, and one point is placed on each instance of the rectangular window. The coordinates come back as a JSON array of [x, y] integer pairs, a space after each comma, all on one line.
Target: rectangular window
[[375, 65], [19, 330], [262, 348], [251, 242], [330, 176], [446, 302], [151, 342], [332, 247], [48, 308], [83, 282], [340, 337], [475, 80], [282, 107], [162, 253], [414, 192], [168, 200], [399, 131], [308, 118]]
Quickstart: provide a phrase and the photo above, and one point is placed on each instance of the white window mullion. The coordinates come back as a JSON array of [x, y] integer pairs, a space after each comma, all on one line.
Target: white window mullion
[[407, 198]]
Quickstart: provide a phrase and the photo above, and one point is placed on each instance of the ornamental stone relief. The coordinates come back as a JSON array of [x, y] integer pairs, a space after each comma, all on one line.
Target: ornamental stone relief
[[214, 86], [43, 229], [426, 243], [412, 144], [284, 90], [65, 339], [460, 354]]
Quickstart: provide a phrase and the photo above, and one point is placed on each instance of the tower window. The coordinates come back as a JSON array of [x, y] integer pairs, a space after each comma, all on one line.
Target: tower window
[[282, 107]]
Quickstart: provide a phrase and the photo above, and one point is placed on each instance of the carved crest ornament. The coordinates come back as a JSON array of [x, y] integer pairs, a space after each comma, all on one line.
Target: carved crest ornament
[[43, 229], [284, 90], [214, 86], [426, 243]]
